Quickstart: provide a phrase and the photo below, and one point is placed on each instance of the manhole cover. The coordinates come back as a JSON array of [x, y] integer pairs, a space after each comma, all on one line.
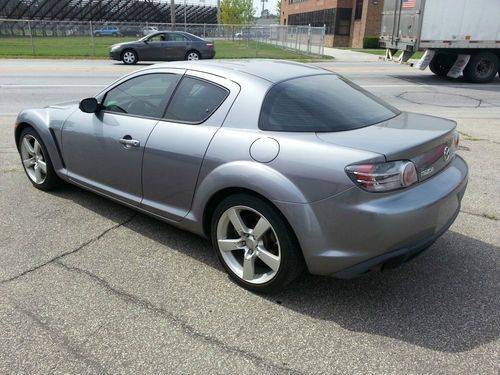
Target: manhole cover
[[440, 100]]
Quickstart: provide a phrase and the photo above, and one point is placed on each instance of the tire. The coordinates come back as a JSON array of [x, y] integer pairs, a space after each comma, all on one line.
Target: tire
[[129, 57], [482, 68], [441, 64], [192, 55], [263, 262], [33, 156]]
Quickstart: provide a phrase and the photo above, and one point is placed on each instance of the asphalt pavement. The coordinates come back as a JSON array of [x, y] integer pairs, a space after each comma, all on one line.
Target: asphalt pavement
[[89, 286]]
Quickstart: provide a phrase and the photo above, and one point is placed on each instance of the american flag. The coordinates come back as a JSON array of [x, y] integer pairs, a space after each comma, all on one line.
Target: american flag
[[409, 4]]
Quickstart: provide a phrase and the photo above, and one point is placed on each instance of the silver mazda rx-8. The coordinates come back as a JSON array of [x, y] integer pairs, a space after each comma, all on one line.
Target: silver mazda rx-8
[[283, 166]]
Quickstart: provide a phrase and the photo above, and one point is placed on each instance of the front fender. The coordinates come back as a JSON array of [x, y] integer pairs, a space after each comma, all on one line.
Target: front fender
[[48, 128]]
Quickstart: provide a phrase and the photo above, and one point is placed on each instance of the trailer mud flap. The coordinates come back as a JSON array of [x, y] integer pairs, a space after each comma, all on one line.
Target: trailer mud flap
[[459, 66], [425, 60]]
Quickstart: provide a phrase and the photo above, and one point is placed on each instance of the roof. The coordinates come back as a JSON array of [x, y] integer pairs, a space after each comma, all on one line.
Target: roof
[[269, 70]]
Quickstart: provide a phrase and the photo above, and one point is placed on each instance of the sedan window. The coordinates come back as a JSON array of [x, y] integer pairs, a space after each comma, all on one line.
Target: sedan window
[[195, 100], [146, 95], [177, 38]]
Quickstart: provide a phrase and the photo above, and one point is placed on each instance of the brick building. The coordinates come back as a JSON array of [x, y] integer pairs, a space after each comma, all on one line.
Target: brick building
[[347, 21]]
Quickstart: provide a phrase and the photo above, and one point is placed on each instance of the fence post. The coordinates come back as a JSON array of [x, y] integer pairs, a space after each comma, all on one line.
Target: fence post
[[204, 30], [92, 39], [31, 38], [323, 40], [296, 36]]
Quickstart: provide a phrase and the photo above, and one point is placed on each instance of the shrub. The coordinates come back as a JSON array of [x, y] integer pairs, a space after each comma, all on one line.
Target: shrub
[[370, 42]]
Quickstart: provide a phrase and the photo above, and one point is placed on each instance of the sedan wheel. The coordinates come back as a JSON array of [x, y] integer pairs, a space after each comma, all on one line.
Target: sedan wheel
[[255, 244], [192, 55], [36, 161], [129, 57]]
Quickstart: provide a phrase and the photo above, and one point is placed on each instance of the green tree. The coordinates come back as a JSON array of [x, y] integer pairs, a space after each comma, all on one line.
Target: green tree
[[236, 11]]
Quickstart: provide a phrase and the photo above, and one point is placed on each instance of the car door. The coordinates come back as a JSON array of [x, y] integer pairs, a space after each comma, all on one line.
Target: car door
[[104, 151], [175, 150], [177, 46], [154, 48]]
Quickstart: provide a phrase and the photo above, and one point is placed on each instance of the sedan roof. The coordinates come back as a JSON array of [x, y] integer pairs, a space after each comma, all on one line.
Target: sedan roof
[[269, 70]]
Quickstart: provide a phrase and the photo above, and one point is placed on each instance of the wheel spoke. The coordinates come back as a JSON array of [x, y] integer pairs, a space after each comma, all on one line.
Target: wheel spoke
[[38, 174], [272, 261], [229, 245], [238, 224], [261, 228], [36, 148], [29, 162], [28, 147], [43, 166], [248, 268]]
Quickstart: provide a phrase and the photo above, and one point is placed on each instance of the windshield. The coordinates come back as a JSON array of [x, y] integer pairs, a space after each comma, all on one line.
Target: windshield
[[321, 103]]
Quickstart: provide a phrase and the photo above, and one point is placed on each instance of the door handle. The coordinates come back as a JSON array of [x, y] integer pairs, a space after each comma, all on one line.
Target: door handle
[[127, 141]]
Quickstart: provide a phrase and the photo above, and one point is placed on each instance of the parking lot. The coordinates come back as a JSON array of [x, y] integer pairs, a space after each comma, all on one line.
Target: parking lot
[[89, 286]]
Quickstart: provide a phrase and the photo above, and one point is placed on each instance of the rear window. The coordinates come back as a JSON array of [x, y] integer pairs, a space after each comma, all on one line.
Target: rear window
[[321, 103]]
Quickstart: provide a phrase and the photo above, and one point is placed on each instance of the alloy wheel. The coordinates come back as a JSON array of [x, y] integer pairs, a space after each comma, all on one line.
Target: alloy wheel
[[193, 56], [34, 160], [248, 244], [129, 57]]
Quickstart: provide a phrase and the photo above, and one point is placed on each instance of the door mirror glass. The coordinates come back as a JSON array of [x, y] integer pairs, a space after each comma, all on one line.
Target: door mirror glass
[[89, 105]]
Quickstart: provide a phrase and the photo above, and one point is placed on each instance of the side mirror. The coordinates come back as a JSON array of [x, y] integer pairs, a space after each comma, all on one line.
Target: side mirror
[[89, 105]]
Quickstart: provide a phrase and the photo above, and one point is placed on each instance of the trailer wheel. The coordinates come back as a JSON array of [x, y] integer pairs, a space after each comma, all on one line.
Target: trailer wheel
[[441, 64], [481, 68]]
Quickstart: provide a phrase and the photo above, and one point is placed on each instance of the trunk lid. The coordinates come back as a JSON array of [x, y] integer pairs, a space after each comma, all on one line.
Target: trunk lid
[[426, 140]]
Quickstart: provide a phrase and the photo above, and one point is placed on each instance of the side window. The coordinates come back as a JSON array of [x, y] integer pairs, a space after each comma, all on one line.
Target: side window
[[157, 38], [195, 100], [177, 38], [146, 95]]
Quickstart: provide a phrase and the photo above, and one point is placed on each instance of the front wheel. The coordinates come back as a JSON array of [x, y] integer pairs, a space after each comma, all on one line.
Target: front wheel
[[36, 161], [129, 57], [193, 55], [255, 244]]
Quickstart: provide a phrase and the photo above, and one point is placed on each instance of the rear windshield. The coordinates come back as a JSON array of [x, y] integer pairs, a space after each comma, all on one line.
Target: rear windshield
[[321, 103]]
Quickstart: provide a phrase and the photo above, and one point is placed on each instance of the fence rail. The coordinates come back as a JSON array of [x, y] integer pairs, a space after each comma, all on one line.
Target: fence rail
[[30, 33]]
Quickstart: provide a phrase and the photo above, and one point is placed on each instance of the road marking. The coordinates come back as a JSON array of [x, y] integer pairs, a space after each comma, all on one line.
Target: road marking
[[28, 86]]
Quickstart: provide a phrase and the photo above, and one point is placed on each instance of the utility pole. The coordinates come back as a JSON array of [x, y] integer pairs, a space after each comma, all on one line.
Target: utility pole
[[218, 12], [172, 13], [263, 6]]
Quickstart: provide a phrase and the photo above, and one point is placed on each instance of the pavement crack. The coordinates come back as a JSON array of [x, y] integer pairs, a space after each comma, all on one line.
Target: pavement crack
[[60, 339], [483, 215], [73, 251], [177, 321]]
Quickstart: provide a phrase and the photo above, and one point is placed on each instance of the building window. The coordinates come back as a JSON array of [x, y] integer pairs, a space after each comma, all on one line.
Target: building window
[[343, 21], [359, 9]]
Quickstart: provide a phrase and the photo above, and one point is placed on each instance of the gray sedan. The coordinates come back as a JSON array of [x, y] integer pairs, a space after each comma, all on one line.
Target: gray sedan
[[163, 46], [283, 166]]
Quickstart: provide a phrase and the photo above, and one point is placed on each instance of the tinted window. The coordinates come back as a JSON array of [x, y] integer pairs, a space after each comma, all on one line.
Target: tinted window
[[177, 38], [146, 95], [157, 38], [195, 100], [321, 103]]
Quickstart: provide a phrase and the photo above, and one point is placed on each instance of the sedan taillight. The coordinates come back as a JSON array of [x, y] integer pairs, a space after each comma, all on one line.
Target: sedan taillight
[[210, 45], [383, 177]]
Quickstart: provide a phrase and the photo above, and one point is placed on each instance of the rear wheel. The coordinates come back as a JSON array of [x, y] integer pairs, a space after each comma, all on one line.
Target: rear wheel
[[441, 64], [482, 67], [129, 57], [255, 244], [36, 161], [193, 55]]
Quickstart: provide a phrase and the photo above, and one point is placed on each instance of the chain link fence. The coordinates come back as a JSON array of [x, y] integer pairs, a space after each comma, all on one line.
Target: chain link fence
[[70, 38]]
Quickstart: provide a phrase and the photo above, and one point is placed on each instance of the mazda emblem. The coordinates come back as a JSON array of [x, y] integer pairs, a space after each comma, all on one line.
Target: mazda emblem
[[446, 153]]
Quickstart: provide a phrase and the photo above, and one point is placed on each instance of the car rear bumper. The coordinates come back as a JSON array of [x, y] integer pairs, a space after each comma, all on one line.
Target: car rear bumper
[[209, 54], [356, 231]]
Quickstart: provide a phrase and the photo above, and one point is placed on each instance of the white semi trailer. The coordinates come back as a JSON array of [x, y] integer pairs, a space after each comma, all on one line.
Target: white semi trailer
[[459, 35]]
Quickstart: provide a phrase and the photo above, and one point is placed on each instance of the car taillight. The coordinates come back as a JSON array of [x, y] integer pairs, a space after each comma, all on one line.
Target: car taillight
[[210, 45], [456, 139], [383, 177]]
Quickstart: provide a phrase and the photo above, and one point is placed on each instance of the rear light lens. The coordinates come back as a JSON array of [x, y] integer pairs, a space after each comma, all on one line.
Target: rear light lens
[[210, 45], [383, 177], [456, 139]]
